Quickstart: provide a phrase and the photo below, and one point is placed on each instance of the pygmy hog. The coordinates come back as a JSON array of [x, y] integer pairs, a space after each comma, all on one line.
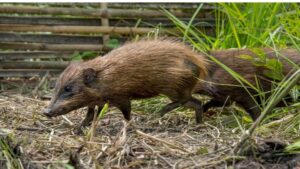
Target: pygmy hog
[[223, 88], [136, 70]]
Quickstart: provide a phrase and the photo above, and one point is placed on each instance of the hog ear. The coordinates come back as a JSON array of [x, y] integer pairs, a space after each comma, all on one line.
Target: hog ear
[[89, 75]]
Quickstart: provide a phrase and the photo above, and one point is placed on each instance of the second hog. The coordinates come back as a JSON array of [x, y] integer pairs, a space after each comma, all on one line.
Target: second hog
[[224, 88], [136, 70]]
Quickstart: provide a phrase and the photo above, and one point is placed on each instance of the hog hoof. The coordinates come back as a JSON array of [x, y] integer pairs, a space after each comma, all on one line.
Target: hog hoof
[[79, 130]]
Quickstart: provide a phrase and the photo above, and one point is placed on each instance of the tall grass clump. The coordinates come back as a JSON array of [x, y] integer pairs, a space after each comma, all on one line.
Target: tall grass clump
[[249, 25], [241, 25], [255, 24]]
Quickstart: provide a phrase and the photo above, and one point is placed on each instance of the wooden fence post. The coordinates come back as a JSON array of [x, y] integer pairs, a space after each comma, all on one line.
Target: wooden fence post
[[105, 22]]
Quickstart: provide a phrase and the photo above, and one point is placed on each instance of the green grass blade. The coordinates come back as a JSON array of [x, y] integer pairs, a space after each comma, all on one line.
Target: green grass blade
[[191, 21]]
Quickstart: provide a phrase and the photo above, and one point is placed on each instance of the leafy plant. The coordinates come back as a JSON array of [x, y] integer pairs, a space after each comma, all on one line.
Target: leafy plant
[[113, 43], [84, 55], [274, 66], [96, 118], [293, 148], [240, 25], [87, 55]]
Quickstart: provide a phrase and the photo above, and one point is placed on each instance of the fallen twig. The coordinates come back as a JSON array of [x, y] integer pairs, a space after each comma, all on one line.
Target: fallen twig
[[34, 92], [162, 141], [24, 128]]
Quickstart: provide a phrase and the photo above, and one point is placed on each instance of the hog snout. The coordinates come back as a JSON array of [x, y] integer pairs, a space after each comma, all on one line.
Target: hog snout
[[47, 112], [53, 112]]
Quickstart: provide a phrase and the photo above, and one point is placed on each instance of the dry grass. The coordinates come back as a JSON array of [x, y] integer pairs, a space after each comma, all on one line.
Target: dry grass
[[148, 141]]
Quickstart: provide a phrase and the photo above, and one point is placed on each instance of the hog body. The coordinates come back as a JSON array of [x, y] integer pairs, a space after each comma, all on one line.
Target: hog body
[[223, 88], [136, 70]]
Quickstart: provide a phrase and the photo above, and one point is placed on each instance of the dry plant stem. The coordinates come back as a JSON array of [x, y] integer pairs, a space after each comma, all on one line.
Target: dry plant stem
[[93, 128], [295, 79], [156, 153], [67, 120], [34, 92], [215, 162], [162, 141], [25, 128], [277, 122]]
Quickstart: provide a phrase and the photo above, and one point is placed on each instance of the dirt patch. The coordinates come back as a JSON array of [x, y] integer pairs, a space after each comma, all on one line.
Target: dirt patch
[[269, 154]]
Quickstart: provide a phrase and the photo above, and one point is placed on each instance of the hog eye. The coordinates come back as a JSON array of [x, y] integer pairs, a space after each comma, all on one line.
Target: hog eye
[[68, 88]]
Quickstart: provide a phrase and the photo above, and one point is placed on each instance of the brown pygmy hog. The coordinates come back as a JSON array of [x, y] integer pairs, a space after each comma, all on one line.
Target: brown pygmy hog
[[219, 81], [136, 70]]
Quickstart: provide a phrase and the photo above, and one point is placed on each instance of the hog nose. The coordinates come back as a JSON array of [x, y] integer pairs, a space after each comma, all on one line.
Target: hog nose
[[47, 112]]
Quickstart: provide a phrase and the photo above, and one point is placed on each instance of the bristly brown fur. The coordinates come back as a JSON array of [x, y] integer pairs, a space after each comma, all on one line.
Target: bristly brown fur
[[219, 81], [163, 47], [147, 62], [73, 70]]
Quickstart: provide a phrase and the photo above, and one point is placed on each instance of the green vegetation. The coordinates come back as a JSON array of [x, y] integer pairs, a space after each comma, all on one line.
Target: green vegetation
[[113, 43], [9, 154], [240, 25], [254, 25], [84, 55], [96, 118]]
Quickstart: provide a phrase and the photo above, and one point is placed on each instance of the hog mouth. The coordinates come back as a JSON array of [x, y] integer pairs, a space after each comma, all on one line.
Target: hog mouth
[[48, 112]]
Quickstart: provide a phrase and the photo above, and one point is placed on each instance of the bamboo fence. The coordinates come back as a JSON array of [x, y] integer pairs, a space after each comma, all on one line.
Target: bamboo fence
[[41, 38]]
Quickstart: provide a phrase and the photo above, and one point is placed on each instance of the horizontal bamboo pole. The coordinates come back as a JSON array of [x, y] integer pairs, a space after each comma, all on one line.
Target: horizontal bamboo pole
[[15, 55], [123, 13], [33, 65], [50, 20], [52, 47], [79, 29], [28, 72], [50, 38], [190, 6], [135, 5], [80, 21]]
